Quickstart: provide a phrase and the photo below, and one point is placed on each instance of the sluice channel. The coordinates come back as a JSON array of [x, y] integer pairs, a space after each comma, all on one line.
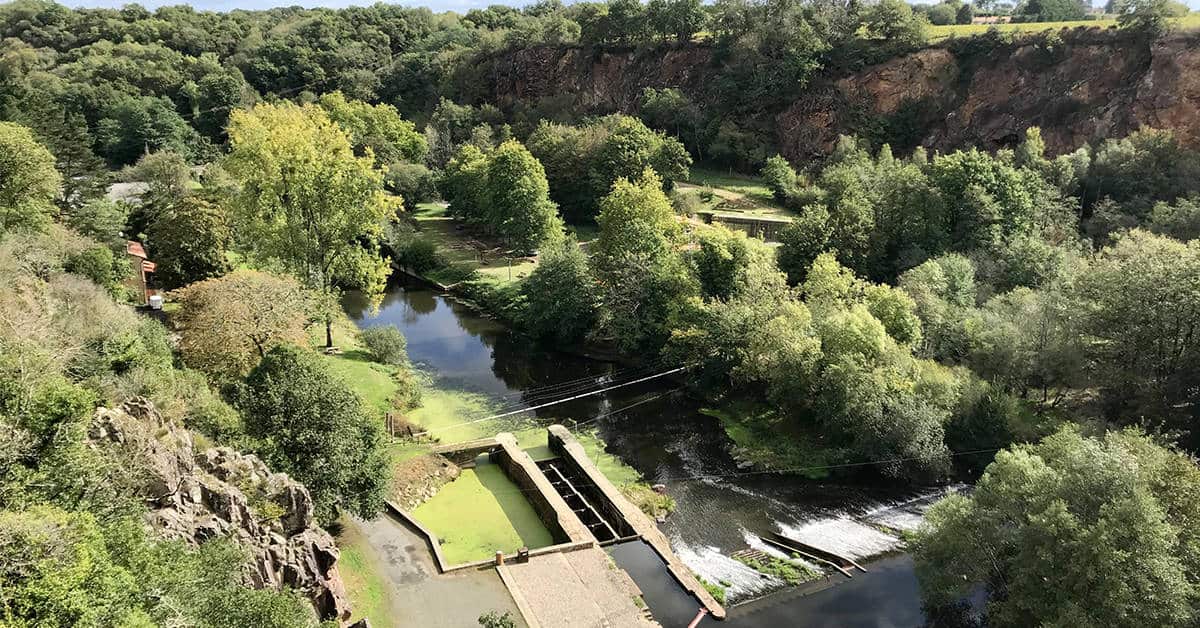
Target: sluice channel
[[588, 504]]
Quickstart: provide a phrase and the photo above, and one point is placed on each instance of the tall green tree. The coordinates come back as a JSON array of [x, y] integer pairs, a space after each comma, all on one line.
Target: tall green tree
[[309, 424], [1073, 531], [189, 241], [1139, 305], [560, 295], [29, 184], [306, 202], [518, 198], [680, 19], [380, 128], [644, 281]]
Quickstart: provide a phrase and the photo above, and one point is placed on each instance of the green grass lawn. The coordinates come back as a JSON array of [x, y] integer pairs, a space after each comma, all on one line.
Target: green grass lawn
[[464, 250], [732, 193], [938, 33], [364, 583], [744, 184], [480, 513], [372, 381]]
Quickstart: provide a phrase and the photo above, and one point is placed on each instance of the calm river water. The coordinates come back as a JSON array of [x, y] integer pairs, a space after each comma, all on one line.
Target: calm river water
[[668, 441]]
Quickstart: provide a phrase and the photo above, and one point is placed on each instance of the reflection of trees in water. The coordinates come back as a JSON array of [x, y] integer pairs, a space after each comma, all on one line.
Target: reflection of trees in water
[[420, 302], [522, 365]]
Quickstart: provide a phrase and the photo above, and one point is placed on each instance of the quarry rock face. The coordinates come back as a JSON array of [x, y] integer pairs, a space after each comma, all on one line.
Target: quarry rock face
[[1079, 86], [219, 492]]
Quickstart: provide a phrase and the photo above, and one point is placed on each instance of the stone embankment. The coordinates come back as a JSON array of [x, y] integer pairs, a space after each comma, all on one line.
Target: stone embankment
[[195, 496]]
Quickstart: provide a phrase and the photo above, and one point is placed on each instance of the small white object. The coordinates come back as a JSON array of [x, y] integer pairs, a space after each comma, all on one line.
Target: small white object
[[156, 301]]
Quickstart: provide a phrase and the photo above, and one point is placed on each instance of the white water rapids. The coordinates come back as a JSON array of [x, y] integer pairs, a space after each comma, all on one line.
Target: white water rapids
[[861, 536]]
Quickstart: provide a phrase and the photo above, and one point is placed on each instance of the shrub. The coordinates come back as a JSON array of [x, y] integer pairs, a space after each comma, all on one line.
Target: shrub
[[386, 344], [419, 255], [310, 425], [98, 264], [493, 619], [413, 182]]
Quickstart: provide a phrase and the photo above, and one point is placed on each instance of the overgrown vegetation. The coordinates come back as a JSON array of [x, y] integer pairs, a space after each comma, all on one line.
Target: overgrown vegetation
[[921, 313], [783, 569]]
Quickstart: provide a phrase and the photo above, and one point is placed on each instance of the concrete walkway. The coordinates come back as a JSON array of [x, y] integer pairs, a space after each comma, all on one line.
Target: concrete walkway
[[580, 589], [423, 597]]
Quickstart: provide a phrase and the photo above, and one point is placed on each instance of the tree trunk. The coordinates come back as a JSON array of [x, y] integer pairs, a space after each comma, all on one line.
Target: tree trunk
[[328, 332]]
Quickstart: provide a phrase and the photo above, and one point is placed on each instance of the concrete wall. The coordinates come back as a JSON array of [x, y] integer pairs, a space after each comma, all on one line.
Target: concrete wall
[[558, 517], [563, 443]]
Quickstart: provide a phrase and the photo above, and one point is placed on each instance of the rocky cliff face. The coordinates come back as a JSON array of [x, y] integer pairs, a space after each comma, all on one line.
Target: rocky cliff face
[[1078, 86], [199, 495]]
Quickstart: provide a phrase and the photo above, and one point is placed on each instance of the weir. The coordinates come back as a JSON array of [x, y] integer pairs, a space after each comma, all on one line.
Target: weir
[[582, 510]]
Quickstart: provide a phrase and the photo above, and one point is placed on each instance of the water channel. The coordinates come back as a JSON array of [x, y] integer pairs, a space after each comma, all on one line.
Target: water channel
[[668, 441]]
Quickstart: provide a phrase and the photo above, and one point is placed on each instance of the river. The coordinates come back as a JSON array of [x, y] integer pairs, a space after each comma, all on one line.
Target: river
[[719, 509]]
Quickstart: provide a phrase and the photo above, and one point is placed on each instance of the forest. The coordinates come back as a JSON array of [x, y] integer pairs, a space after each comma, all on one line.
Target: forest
[[1026, 321]]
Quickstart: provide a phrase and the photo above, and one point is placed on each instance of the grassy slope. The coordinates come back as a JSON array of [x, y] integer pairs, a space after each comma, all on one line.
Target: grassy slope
[[938, 33], [371, 380], [364, 582], [481, 512]]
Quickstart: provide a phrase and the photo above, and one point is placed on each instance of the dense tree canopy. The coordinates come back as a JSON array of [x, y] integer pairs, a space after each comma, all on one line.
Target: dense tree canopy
[[229, 323], [29, 183], [1072, 531], [189, 241], [504, 193], [583, 162]]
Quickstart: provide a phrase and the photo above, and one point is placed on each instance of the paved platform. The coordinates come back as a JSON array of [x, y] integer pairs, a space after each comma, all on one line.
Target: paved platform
[[419, 596], [580, 589]]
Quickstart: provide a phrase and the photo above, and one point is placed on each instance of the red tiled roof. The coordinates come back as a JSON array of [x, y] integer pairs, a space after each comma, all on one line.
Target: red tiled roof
[[135, 249]]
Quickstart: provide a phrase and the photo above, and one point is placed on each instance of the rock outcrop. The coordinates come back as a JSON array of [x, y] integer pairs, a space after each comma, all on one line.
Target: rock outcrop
[[1078, 85], [219, 492]]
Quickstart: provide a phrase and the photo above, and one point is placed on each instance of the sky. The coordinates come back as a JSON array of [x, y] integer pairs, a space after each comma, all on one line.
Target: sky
[[460, 6]]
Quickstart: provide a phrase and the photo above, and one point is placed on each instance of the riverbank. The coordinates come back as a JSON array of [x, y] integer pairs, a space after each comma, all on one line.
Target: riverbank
[[474, 367]]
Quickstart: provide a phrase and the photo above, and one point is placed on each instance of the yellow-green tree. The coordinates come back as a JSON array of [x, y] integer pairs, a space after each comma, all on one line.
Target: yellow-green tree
[[29, 184], [305, 202]]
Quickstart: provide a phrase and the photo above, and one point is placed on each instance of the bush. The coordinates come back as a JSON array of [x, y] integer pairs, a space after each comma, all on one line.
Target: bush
[[413, 182], [493, 619], [310, 425], [386, 344], [941, 14], [98, 264], [420, 256]]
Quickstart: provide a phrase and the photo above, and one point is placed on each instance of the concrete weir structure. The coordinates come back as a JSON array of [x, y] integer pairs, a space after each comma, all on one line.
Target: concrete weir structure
[[573, 582], [573, 454]]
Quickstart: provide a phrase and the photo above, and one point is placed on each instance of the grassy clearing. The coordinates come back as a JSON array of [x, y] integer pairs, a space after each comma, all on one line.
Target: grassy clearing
[[939, 33], [465, 252], [481, 512], [733, 194], [365, 584], [373, 382], [744, 185]]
